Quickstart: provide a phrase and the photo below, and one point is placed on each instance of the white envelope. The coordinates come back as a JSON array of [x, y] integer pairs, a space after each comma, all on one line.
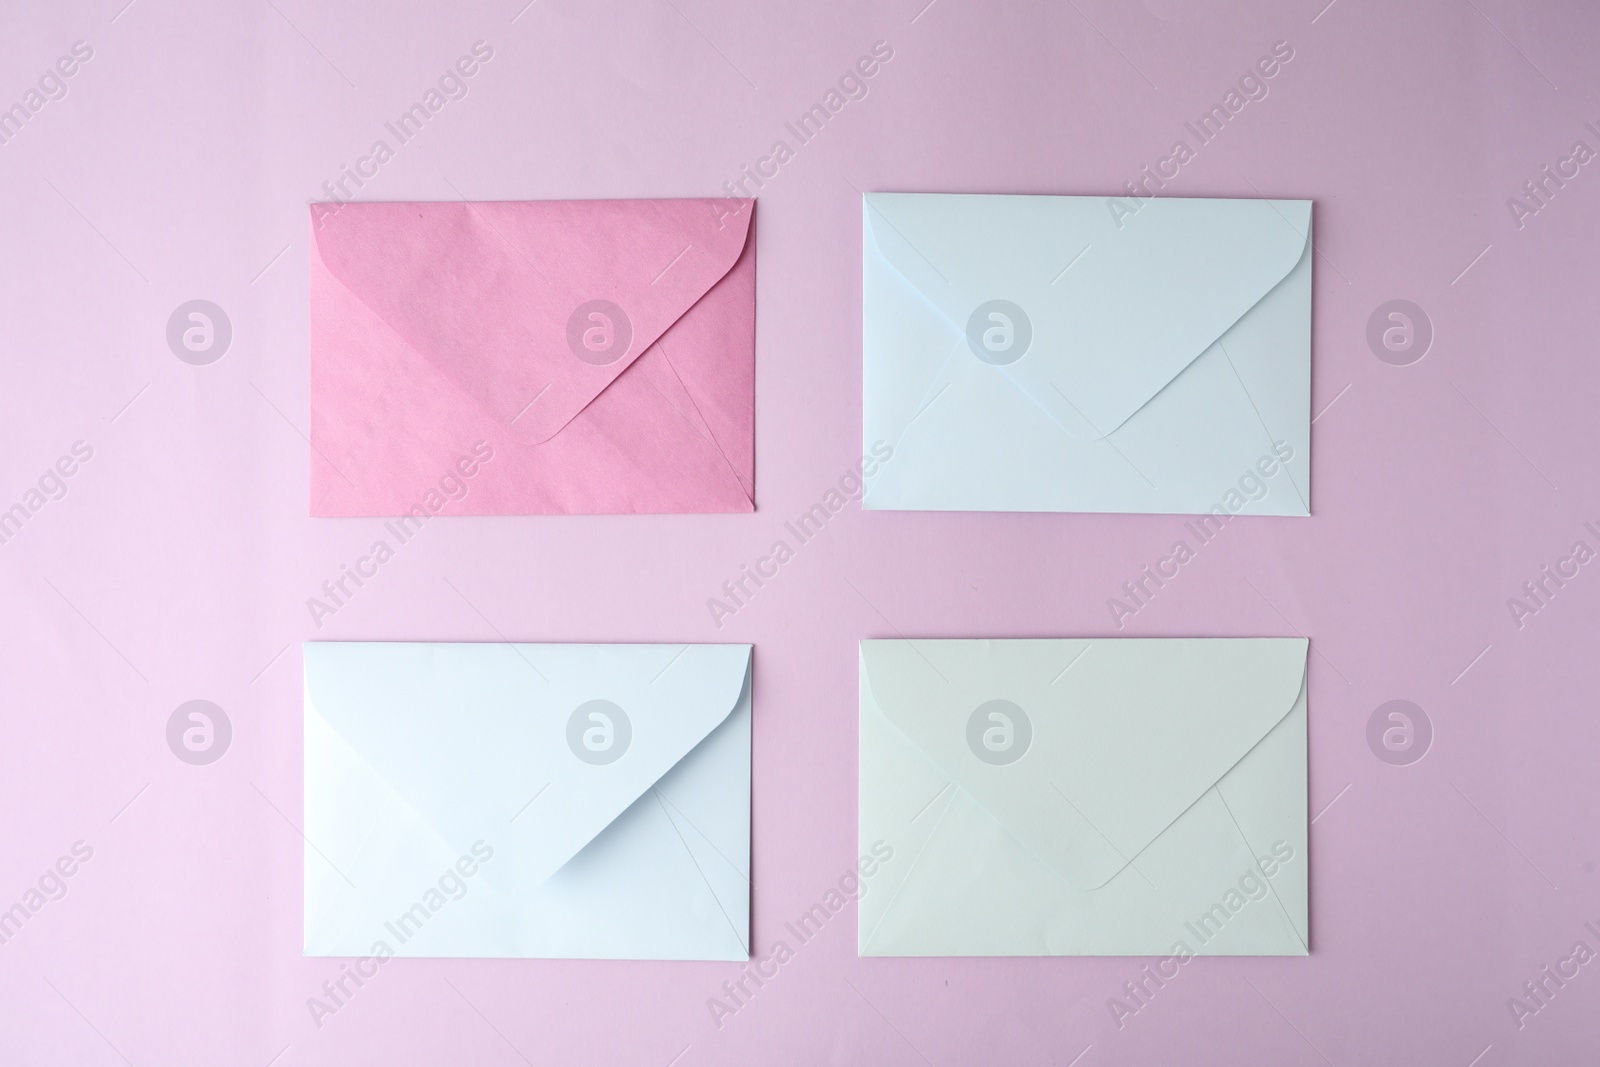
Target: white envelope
[[500, 800], [1065, 353], [1085, 798]]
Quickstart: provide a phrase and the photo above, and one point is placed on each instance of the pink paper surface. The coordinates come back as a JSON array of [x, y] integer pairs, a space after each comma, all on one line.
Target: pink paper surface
[[416, 307], [179, 562]]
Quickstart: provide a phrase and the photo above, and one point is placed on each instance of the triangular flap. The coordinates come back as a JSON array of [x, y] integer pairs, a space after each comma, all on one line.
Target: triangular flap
[[531, 307], [536, 748], [1091, 305], [1086, 750]]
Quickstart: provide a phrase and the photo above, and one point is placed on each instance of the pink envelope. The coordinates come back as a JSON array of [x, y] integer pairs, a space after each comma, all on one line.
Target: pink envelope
[[532, 358]]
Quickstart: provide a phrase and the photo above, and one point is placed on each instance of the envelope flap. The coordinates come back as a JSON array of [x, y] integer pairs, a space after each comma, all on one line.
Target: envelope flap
[[532, 308], [1086, 750], [1091, 305], [534, 747]]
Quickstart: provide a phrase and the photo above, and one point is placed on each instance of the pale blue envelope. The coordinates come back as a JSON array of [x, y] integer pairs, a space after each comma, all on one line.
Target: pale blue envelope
[[499, 800], [1066, 353]]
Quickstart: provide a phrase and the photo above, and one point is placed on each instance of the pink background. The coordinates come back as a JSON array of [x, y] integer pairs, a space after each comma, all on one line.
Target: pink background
[[179, 166]]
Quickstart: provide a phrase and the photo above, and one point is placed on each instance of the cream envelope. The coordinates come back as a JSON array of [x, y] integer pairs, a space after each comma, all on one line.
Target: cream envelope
[[1085, 798], [1065, 353], [532, 357], [499, 800]]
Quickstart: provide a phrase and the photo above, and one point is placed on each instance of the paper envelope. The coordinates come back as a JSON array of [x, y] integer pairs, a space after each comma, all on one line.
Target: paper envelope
[[1065, 353], [532, 358], [1085, 798], [499, 800]]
